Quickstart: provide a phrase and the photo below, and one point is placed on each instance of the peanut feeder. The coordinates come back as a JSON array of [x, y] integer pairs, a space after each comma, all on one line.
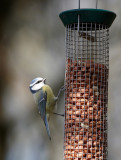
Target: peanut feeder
[[86, 81]]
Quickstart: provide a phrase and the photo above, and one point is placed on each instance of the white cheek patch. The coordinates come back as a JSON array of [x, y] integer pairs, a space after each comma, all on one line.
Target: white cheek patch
[[37, 86]]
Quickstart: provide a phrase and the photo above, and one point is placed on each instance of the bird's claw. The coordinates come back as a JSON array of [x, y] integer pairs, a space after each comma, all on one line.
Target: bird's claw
[[60, 90]]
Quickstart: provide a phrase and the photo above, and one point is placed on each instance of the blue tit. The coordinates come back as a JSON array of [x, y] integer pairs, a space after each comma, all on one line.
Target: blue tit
[[44, 98]]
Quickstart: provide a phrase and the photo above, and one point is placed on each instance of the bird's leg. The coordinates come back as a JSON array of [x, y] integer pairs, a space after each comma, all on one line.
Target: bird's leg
[[58, 114], [56, 98], [60, 90]]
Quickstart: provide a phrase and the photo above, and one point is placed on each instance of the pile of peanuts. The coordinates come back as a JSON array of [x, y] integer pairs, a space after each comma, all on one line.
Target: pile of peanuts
[[85, 135]]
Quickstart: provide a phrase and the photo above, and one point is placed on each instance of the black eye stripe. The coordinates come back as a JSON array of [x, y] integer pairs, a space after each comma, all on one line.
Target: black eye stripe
[[38, 82]]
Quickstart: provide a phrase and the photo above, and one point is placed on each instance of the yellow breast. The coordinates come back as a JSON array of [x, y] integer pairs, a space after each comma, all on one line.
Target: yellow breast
[[51, 100], [50, 104]]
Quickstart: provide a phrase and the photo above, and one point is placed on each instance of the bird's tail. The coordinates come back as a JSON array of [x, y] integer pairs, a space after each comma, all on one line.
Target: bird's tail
[[47, 127]]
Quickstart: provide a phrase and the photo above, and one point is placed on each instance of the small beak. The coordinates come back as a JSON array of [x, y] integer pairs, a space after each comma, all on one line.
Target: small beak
[[44, 80]]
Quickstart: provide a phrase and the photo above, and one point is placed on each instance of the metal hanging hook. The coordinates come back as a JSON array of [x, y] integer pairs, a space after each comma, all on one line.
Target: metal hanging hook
[[79, 4], [96, 3]]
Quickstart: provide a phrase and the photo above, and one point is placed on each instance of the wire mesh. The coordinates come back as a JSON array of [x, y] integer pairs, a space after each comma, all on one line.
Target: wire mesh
[[86, 94]]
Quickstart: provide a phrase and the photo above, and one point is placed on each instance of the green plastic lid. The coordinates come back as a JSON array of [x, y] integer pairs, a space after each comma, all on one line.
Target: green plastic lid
[[98, 16]]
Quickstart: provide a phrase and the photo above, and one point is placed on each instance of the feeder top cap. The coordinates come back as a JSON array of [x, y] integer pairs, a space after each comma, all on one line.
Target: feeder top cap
[[98, 16]]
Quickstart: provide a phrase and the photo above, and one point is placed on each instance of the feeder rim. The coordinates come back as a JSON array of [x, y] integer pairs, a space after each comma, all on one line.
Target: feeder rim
[[88, 15]]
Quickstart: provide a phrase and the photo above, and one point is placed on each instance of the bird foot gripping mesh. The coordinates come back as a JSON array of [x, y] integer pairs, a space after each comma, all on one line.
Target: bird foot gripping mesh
[[86, 92]]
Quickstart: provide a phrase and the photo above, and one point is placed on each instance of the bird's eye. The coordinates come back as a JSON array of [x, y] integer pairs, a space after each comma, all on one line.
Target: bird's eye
[[38, 82]]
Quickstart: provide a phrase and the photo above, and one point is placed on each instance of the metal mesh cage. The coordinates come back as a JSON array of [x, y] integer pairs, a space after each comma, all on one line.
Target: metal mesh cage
[[86, 94]]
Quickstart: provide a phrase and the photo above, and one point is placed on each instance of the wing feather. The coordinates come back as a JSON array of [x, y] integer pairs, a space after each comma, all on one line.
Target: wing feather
[[42, 109]]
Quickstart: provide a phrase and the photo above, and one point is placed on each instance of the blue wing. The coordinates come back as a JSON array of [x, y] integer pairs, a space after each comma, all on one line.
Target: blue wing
[[42, 110]]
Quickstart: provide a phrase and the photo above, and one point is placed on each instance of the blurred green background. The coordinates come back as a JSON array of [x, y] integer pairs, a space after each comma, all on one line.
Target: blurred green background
[[32, 44]]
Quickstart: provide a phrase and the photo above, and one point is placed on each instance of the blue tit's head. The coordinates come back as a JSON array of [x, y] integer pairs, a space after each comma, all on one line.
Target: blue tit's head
[[36, 84]]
